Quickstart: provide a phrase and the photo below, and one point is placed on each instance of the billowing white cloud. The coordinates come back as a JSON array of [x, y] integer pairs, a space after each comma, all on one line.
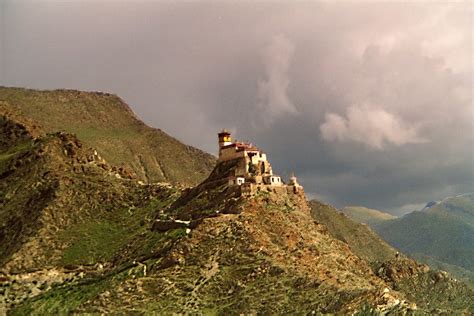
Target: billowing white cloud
[[273, 99], [371, 126]]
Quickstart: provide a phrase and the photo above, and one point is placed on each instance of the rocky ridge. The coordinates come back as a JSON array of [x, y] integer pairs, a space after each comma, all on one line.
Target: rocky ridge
[[79, 235], [105, 122]]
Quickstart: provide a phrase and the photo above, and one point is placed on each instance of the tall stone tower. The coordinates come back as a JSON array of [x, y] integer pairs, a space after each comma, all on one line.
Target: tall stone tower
[[224, 139]]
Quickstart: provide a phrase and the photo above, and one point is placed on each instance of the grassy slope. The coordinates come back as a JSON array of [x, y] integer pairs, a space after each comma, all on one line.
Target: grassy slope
[[61, 205], [444, 232], [362, 240], [272, 258], [428, 288], [259, 261], [256, 261], [460, 207], [105, 122], [366, 215], [441, 236]]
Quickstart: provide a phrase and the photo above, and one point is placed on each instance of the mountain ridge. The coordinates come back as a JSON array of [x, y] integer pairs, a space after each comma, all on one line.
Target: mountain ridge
[[366, 215], [105, 122], [100, 241], [362, 240], [423, 234]]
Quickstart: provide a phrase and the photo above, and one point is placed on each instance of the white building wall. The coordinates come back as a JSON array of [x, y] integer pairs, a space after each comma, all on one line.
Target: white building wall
[[259, 157], [236, 181], [275, 180]]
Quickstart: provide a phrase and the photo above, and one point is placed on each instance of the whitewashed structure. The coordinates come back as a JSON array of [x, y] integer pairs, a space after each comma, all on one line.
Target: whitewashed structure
[[251, 165]]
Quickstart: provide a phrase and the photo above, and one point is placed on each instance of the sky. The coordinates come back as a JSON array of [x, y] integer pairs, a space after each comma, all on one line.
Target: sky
[[368, 102]]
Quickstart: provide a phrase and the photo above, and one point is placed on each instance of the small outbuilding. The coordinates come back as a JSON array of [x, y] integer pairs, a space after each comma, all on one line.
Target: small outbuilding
[[237, 181]]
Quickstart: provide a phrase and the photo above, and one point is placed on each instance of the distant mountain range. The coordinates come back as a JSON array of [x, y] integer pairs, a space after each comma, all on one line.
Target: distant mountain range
[[442, 234], [366, 215], [385, 260]]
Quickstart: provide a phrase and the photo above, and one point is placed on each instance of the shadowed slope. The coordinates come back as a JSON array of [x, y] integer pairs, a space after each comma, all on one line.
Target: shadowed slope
[[60, 203], [362, 240], [443, 231]]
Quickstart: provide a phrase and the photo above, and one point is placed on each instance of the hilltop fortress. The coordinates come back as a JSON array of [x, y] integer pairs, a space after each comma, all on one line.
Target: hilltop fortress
[[252, 170], [242, 170]]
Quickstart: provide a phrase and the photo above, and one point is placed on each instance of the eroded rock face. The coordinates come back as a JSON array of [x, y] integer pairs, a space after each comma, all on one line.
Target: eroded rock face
[[433, 291]]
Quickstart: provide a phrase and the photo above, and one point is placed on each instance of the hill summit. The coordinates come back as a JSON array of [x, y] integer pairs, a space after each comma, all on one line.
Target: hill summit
[[103, 121], [80, 235], [250, 168]]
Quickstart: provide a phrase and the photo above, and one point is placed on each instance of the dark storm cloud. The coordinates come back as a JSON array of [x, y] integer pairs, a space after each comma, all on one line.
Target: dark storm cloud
[[370, 103], [2, 41]]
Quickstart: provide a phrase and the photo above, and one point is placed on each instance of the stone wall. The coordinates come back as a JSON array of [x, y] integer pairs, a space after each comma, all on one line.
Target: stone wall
[[250, 189], [230, 153]]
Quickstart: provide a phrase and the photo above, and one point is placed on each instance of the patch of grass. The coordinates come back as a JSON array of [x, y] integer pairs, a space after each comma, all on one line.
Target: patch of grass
[[149, 244], [101, 238], [93, 242], [62, 300], [367, 310], [176, 233], [5, 156], [65, 299]]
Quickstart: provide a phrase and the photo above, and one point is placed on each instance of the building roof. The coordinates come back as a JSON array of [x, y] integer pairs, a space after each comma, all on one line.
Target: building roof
[[224, 132], [240, 146]]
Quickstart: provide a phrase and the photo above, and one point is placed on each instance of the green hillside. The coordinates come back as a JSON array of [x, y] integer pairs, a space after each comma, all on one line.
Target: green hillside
[[61, 204], [366, 215], [362, 240], [460, 207], [420, 283], [444, 232], [103, 121], [79, 235], [441, 235], [456, 271]]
